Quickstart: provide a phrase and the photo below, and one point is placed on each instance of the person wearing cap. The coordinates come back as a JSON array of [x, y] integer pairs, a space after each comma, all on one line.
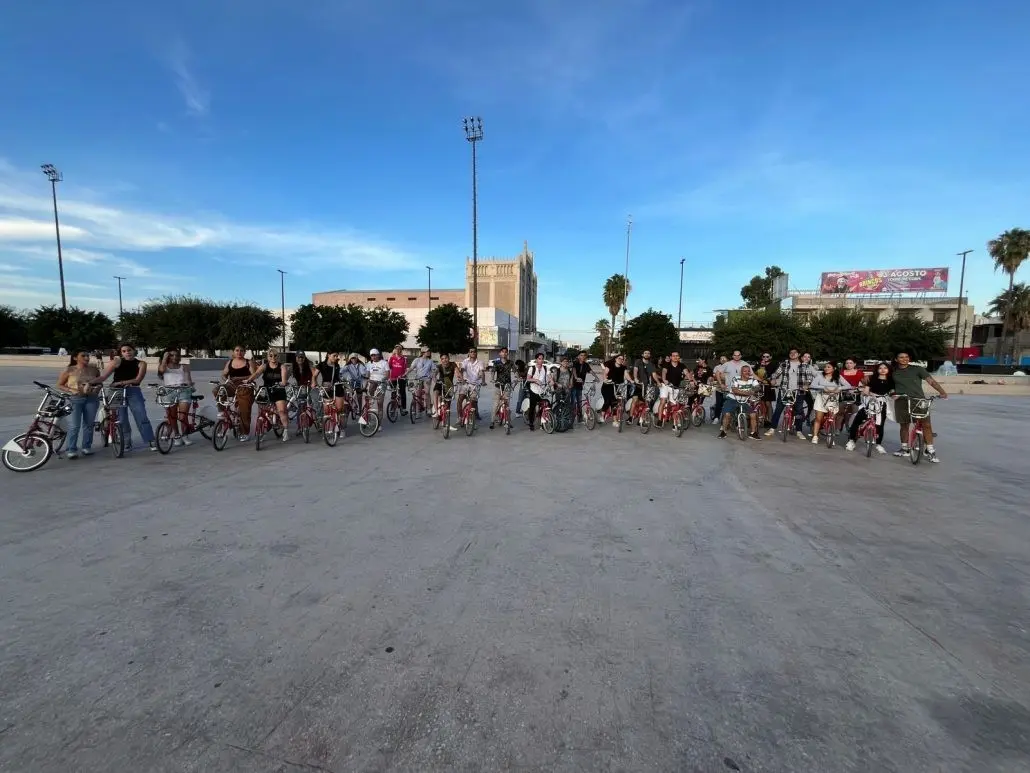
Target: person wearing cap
[[378, 373], [355, 373]]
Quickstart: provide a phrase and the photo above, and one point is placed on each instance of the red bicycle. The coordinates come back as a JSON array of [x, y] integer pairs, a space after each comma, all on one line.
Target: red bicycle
[[443, 416], [640, 413], [418, 400], [675, 411], [175, 422], [268, 418], [697, 410], [112, 400], [617, 411], [786, 425], [919, 412], [333, 422], [874, 407], [368, 419], [504, 408], [306, 414], [468, 409], [45, 436], [229, 420], [586, 407]]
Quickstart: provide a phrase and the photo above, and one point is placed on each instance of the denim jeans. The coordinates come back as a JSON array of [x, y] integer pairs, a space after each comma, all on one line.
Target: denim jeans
[[799, 412], [84, 413], [576, 395], [522, 397], [136, 403]]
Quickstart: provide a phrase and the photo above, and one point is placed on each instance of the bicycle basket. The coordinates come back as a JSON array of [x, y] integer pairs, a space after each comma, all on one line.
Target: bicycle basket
[[114, 397], [261, 396], [171, 395], [918, 407], [55, 407], [621, 389], [704, 389]]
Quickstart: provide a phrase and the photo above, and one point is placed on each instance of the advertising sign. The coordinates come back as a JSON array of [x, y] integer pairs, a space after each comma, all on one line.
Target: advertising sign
[[892, 280]]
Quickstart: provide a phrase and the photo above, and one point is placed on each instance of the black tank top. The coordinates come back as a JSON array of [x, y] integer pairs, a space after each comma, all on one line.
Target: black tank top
[[243, 372], [674, 375], [126, 370], [272, 377], [302, 374]]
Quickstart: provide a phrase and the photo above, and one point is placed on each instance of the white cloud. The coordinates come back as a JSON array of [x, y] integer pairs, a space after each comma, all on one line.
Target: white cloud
[[196, 97], [24, 229]]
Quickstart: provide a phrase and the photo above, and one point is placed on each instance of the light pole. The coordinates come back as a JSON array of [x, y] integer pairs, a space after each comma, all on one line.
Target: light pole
[[119, 278], [429, 298], [679, 317], [625, 275], [282, 300], [54, 176], [958, 314], [474, 134]]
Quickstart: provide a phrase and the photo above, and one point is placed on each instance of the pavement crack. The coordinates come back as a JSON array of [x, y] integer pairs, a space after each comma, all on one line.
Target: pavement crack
[[280, 760]]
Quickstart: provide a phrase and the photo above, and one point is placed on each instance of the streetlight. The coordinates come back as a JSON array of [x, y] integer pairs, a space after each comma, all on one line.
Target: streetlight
[[282, 299], [625, 275], [119, 278], [958, 314], [474, 134], [679, 317], [54, 176], [429, 298]]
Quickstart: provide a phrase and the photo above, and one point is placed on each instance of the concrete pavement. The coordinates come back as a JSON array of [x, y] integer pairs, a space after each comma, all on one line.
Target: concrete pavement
[[585, 601]]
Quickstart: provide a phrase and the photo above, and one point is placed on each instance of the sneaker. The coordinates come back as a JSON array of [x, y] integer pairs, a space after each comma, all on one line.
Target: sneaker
[[932, 458], [722, 434], [454, 429], [850, 446], [71, 455], [404, 413], [177, 442], [244, 438], [185, 441], [286, 436], [86, 452], [903, 451], [715, 421], [880, 449], [756, 436], [151, 446], [491, 425], [815, 440], [770, 432]]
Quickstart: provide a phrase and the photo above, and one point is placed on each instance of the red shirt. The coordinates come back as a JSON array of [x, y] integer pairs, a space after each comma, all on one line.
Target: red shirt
[[854, 379], [398, 366]]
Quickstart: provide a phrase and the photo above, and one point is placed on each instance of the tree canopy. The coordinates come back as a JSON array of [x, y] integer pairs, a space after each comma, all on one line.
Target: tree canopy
[[347, 329], [75, 329], [616, 290], [13, 327], [651, 330], [758, 293], [447, 329]]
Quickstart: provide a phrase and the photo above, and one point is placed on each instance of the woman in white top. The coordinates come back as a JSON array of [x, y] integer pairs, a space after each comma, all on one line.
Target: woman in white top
[[826, 384], [176, 375]]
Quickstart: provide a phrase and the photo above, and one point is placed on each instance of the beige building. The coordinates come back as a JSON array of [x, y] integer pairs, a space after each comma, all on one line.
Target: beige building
[[931, 308], [507, 290]]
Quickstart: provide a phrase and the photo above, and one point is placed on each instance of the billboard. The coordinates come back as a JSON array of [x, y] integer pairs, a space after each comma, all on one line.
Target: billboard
[[892, 280]]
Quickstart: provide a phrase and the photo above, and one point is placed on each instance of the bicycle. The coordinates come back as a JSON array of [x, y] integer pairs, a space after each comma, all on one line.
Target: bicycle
[[675, 409], [228, 414], [586, 408], [368, 419], [640, 412], [44, 437], [468, 409], [332, 427], [306, 415], [543, 411], [874, 407], [786, 426], [443, 416], [919, 412], [112, 401], [828, 429], [743, 417], [697, 410], [504, 408], [618, 410], [168, 398], [268, 418], [418, 400], [393, 405]]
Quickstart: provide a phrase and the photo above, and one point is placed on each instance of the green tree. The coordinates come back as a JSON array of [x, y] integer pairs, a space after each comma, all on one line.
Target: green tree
[[309, 328], [447, 329], [604, 334], [836, 334], [136, 328], [598, 348], [1009, 251], [1013, 306], [13, 327], [248, 326], [921, 339], [182, 322], [384, 328], [616, 290], [650, 330], [75, 329], [758, 293], [755, 332]]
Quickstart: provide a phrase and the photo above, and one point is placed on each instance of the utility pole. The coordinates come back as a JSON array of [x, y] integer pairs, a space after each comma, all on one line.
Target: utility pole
[[54, 176], [429, 298], [119, 278], [625, 274], [679, 317], [958, 314], [282, 300], [474, 134]]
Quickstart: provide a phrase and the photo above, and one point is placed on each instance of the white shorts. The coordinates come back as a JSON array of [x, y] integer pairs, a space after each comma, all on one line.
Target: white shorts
[[819, 401], [669, 393]]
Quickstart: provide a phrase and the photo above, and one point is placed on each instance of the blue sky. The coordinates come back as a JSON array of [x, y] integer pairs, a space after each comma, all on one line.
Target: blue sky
[[205, 145]]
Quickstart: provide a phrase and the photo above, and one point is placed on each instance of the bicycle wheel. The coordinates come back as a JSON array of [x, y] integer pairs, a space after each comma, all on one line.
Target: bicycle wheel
[[392, 412], [414, 408], [829, 435], [260, 428], [204, 427], [436, 419], [165, 438], [470, 423], [32, 451], [547, 423], [304, 425], [445, 420], [678, 424], [589, 416], [870, 440], [330, 431], [697, 418], [742, 426], [371, 425], [783, 428], [220, 436], [618, 418], [645, 422], [277, 428], [915, 447], [57, 441], [116, 441]]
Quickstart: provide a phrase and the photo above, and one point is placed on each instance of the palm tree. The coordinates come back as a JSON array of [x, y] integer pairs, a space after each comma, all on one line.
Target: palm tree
[[604, 332], [616, 290], [1013, 305], [1009, 251]]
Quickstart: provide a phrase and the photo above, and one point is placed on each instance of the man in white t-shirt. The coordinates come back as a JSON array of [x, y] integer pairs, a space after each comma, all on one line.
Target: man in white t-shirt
[[472, 373], [378, 374]]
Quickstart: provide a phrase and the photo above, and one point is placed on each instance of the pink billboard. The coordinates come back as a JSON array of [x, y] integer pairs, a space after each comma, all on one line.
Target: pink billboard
[[891, 280]]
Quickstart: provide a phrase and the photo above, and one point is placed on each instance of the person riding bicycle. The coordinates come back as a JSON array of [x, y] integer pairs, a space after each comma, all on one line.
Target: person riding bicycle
[[175, 375], [504, 369], [792, 376], [672, 377], [444, 386], [355, 373], [331, 375], [825, 386], [398, 374], [741, 391], [274, 376], [580, 370], [129, 372], [378, 375], [908, 384], [645, 373], [763, 372], [472, 373], [614, 374], [880, 385], [537, 379], [422, 368]]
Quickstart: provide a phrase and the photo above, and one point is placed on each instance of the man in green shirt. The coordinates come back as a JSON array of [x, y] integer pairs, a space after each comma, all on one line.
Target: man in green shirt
[[908, 382]]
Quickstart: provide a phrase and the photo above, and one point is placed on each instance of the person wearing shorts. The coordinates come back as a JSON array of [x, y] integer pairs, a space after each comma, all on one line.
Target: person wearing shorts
[[445, 373], [741, 389], [672, 381]]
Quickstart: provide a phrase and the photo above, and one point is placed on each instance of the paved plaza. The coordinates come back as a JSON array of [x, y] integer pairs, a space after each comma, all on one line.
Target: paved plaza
[[587, 601]]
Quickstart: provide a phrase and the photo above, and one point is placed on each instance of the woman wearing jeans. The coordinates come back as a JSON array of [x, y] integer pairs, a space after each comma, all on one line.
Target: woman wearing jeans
[[76, 380], [129, 373]]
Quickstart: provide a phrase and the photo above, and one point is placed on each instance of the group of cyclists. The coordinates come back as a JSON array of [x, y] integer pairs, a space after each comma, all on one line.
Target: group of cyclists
[[647, 392]]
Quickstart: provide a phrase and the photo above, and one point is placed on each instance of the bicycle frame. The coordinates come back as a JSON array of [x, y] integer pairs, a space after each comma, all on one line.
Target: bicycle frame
[[743, 417], [919, 412], [267, 419], [45, 436], [418, 402], [112, 401], [504, 408], [468, 409], [788, 397], [869, 429]]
